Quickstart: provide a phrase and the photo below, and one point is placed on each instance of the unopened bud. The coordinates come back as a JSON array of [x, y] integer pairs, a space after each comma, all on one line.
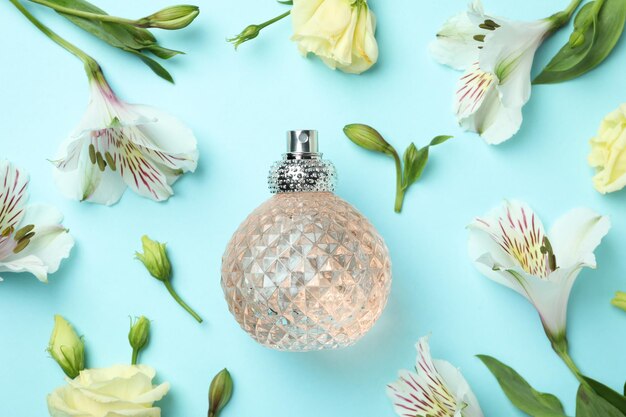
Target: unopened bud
[[247, 34], [67, 348], [220, 392], [138, 336], [367, 137], [576, 39], [155, 259], [171, 18]]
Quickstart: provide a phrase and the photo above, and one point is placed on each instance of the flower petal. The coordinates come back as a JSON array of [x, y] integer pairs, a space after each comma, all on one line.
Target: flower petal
[[479, 108], [31, 264], [13, 196], [576, 235], [426, 393], [467, 403], [88, 183], [519, 233], [51, 243], [456, 44]]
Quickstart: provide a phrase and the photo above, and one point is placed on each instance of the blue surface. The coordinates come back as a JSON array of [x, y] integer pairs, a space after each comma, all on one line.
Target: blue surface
[[239, 105]]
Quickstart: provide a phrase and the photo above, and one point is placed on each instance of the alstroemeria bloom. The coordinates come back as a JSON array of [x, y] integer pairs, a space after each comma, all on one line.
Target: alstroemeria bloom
[[496, 55], [119, 145], [436, 388], [32, 238], [340, 32], [510, 246]]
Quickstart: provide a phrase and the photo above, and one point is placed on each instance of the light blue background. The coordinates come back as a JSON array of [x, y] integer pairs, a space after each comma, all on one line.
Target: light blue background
[[239, 105]]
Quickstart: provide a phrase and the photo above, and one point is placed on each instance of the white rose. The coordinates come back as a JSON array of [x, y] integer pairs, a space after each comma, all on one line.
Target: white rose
[[118, 391], [340, 32]]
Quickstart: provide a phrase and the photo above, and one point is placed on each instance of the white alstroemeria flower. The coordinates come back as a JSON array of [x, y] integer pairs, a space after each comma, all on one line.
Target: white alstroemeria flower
[[510, 246], [436, 388], [119, 145], [32, 238], [496, 55]]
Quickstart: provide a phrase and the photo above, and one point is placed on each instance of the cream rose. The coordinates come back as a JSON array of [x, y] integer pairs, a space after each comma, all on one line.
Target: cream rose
[[121, 390], [340, 32], [608, 152]]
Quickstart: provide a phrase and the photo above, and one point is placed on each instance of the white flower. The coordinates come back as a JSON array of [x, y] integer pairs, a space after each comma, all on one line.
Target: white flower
[[436, 389], [118, 145], [32, 238], [122, 390], [496, 55], [509, 245], [340, 32]]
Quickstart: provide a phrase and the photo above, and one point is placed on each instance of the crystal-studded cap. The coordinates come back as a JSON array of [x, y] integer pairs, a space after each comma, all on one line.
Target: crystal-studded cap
[[302, 168]]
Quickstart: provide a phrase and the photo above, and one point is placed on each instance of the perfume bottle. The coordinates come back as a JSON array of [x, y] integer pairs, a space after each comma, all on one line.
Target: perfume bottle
[[305, 271]]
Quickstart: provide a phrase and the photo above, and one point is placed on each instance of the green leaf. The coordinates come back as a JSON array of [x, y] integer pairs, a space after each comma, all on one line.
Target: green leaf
[[119, 35], [520, 393], [155, 66], [163, 53], [287, 2], [614, 398], [601, 36], [590, 404], [438, 140], [414, 163]]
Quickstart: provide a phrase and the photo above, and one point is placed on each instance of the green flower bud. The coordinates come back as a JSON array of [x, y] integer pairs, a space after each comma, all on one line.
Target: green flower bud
[[67, 348], [171, 18], [155, 259], [220, 392], [367, 137], [246, 35], [620, 300], [138, 336], [576, 39]]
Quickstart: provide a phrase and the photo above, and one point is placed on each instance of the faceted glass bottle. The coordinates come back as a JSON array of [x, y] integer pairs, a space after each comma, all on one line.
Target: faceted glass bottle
[[305, 271]]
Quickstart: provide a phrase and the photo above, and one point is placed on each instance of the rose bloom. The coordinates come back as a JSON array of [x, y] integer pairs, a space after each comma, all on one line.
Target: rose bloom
[[607, 152], [121, 390], [340, 32]]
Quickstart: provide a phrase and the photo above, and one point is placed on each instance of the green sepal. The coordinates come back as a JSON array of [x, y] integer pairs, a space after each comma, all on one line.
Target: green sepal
[[601, 34], [590, 404], [616, 399], [520, 393]]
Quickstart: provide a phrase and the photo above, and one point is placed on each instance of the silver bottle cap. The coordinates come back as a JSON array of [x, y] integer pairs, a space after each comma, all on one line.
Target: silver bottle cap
[[301, 142], [302, 168]]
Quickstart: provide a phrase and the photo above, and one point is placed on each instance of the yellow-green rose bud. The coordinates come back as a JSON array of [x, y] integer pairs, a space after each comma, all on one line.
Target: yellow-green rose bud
[[171, 18], [155, 259], [138, 336], [67, 348], [607, 152], [220, 392]]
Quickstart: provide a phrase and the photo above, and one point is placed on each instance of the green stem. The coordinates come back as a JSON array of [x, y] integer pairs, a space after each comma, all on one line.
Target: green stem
[[135, 356], [91, 66], [399, 188], [561, 18], [274, 20], [561, 348], [88, 15], [180, 301]]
